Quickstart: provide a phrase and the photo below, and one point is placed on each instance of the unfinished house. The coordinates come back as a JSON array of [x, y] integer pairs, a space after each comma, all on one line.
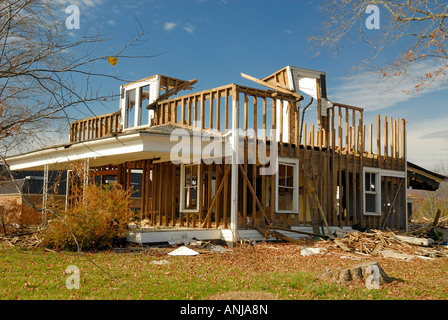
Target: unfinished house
[[228, 162]]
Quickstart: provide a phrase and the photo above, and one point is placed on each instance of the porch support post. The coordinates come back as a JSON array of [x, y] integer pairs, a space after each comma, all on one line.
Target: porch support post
[[235, 162], [67, 189], [45, 197]]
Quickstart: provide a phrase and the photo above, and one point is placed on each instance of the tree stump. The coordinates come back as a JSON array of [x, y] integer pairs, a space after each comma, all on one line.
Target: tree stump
[[369, 271]]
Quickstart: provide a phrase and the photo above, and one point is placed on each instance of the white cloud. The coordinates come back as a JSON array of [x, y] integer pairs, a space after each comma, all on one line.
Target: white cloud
[[427, 134], [111, 22], [427, 141], [372, 92], [169, 26], [81, 3], [189, 28]]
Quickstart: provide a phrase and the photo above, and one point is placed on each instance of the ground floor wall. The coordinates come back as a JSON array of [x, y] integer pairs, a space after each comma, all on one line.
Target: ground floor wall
[[330, 188]]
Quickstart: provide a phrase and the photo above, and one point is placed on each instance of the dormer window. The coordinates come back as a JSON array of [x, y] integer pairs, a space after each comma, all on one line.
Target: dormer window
[[139, 99], [135, 98]]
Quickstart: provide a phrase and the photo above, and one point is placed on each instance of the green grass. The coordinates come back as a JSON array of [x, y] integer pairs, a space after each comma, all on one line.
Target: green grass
[[39, 274]]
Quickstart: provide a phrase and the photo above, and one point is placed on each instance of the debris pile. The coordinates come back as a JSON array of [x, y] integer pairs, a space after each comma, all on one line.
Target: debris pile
[[29, 238], [195, 247], [389, 244], [425, 227]]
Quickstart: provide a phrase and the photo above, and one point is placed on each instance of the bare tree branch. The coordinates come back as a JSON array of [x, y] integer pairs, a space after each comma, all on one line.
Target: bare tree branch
[[421, 25]]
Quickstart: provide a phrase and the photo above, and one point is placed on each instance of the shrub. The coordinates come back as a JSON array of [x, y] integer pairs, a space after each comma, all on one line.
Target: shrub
[[97, 217]]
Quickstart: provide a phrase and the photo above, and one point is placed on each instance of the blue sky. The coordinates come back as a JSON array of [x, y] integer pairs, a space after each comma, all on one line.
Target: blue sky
[[215, 40]]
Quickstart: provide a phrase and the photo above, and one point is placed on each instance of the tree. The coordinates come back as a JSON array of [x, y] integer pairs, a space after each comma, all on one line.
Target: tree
[[43, 68], [46, 72], [418, 27]]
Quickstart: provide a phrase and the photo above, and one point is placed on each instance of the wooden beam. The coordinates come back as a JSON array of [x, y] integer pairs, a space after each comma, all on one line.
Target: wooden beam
[[215, 198], [249, 185], [276, 87]]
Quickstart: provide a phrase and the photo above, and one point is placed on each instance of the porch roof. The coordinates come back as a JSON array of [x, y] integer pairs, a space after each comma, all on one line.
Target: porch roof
[[423, 179], [150, 143]]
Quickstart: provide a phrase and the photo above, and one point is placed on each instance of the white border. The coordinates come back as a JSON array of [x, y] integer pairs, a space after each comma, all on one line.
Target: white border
[[182, 188], [295, 204], [380, 173]]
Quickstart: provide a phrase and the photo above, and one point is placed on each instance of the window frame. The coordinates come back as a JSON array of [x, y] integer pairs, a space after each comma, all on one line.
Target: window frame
[[380, 173], [183, 188], [295, 164], [377, 193], [139, 108]]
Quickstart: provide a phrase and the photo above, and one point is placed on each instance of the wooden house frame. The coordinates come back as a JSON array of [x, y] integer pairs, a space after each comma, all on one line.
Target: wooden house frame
[[248, 158]]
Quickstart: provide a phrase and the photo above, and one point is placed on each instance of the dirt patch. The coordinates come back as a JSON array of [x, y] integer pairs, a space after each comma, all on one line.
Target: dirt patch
[[244, 295]]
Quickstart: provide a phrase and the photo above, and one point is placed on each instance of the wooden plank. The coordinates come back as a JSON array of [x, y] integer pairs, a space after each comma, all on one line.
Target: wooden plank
[[209, 194], [378, 140], [226, 110], [403, 139], [333, 180], [299, 231], [201, 194], [386, 142], [274, 87], [190, 107], [218, 110], [166, 193], [219, 201], [217, 194], [254, 163], [305, 191], [159, 196], [361, 177], [153, 192], [144, 191], [173, 197], [392, 147], [397, 144], [249, 185], [353, 165], [211, 110], [202, 111], [182, 112]]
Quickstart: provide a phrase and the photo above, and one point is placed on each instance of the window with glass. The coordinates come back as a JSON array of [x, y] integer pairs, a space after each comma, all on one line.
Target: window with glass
[[287, 186], [190, 187], [372, 193], [130, 108]]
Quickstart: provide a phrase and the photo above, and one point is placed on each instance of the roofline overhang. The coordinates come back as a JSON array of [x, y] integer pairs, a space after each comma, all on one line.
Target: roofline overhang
[[130, 146]]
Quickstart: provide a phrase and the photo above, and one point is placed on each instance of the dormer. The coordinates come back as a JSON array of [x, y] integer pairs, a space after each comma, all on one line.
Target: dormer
[[298, 81], [139, 99]]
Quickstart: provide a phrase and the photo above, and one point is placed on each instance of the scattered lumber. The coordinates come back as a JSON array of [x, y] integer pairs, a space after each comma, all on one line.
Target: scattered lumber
[[424, 226], [414, 240], [388, 244], [269, 232], [28, 238]]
